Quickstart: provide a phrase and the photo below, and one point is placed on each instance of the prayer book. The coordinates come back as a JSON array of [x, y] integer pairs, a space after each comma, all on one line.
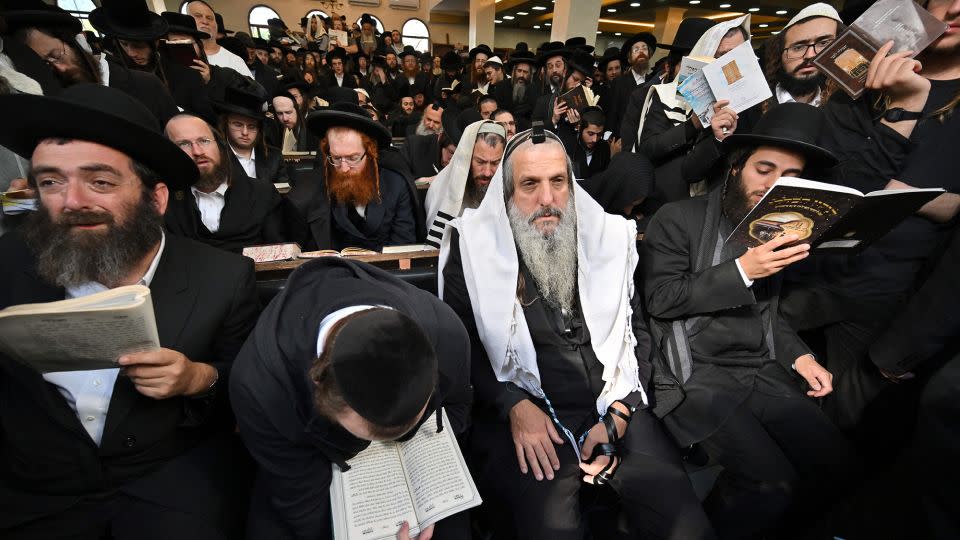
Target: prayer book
[[17, 202], [345, 252], [827, 215], [181, 51], [735, 76], [575, 98], [338, 37], [272, 252], [407, 248], [85, 333], [420, 481], [847, 59]]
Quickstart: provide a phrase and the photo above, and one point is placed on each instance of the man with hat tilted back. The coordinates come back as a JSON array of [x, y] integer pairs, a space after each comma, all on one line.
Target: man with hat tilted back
[[350, 200], [543, 280], [635, 65], [730, 366], [142, 450], [55, 36]]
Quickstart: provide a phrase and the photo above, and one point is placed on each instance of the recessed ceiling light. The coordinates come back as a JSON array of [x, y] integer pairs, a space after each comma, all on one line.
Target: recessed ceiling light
[[536, 27], [694, 2], [538, 8], [497, 21], [617, 33], [724, 6], [522, 13], [599, 32], [547, 24], [782, 12], [775, 33], [635, 4], [508, 17], [753, 9], [764, 25], [611, 10]]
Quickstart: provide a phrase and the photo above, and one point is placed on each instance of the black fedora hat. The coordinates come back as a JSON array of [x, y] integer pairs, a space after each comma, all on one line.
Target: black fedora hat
[[38, 14], [348, 115], [178, 23], [521, 57], [337, 52], [261, 44], [578, 43], [451, 125], [245, 99], [97, 114], [481, 48], [234, 45], [550, 50], [221, 29], [643, 37], [609, 55], [408, 51], [366, 18], [129, 20], [688, 33], [795, 126], [581, 61], [451, 60]]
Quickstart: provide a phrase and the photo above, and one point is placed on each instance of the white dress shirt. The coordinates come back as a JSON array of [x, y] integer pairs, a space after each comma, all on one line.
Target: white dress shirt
[[637, 77], [89, 392], [786, 97], [339, 79], [249, 164], [211, 205]]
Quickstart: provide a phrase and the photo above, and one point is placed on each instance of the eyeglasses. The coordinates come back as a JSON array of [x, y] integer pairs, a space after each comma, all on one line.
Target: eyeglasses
[[799, 50], [203, 142], [351, 161], [640, 47], [56, 57]]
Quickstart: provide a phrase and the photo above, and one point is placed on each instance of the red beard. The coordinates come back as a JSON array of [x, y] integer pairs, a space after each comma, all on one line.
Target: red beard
[[355, 186]]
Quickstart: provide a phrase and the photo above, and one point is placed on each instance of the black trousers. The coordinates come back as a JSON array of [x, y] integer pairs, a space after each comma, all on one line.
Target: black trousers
[[778, 453], [654, 490]]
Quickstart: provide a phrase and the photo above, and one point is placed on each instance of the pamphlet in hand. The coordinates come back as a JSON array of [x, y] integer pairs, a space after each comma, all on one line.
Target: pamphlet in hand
[[827, 215], [420, 481], [85, 333], [909, 26], [735, 76], [338, 37], [18, 201], [575, 98]]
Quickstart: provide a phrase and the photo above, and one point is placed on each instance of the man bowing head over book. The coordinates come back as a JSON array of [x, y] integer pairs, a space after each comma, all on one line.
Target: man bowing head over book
[[95, 451]]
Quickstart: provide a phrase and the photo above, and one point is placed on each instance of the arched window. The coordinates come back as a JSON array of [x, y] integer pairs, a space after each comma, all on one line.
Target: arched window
[[416, 34], [80, 9], [183, 7], [376, 20], [258, 18]]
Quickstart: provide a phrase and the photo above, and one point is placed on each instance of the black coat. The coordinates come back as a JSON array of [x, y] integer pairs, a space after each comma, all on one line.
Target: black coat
[[625, 117], [188, 91], [316, 224], [145, 88], [422, 154], [524, 109], [618, 95], [294, 445], [421, 85], [270, 167], [252, 214], [578, 155], [267, 76], [205, 304]]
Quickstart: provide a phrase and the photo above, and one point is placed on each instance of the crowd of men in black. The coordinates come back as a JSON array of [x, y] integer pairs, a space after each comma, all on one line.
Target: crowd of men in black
[[588, 302]]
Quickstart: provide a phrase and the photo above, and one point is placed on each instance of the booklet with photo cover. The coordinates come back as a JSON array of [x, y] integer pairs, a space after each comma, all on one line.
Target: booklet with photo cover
[[84, 333], [736, 76], [420, 481], [575, 98], [827, 215], [909, 26]]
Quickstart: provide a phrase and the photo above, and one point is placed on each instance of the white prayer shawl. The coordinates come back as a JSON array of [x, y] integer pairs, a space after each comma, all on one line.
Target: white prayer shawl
[[445, 195], [606, 260], [706, 46]]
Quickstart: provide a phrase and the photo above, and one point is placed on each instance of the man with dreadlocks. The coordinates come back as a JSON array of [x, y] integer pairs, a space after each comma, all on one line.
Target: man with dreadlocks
[[55, 36], [351, 200]]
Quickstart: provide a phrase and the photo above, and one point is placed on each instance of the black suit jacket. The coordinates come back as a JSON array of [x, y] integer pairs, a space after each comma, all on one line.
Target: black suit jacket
[[267, 76], [421, 84], [188, 91], [145, 88], [205, 304], [524, 109], [252, 214], [422, 154], [618, 95], [270, 167], [578, 155]]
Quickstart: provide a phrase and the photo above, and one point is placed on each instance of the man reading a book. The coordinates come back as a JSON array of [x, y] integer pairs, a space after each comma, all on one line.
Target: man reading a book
[[142, 450], [543, 281], [730, 364], [344, 355]]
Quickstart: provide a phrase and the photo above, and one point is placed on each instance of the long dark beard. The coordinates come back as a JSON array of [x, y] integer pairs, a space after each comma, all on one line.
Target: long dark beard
[[735, 203], [519, 91], [209, 181], [68, 258], [474, 192], [799, 87]]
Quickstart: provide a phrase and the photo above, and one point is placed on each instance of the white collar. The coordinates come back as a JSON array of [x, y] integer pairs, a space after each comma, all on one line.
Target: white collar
[[253, 153], [221, 190], [639, 78], [91, 287], [786, 97]]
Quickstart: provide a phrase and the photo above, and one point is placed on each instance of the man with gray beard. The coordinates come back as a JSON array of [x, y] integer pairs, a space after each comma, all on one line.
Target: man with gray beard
[[543, 281], [144, 449]]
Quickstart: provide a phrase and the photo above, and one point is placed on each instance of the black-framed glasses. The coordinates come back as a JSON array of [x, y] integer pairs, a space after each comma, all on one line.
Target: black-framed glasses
[[799, 50], [351, 161], [57, 57]]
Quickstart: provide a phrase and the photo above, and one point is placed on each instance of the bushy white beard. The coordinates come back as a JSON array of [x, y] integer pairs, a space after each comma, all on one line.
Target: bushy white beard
[[422, 129], [551, 258]]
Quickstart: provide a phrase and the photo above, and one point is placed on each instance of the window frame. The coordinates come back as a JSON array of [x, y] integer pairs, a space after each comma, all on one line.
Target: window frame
[[260, 30], [404, 36]]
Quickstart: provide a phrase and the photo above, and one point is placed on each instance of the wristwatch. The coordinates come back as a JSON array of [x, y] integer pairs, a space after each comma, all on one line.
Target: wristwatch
[[898, 114]]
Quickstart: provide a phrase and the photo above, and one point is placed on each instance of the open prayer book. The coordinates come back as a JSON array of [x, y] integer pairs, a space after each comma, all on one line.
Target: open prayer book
[[420, 481], [827, 215], [345, 252], [85, 333]]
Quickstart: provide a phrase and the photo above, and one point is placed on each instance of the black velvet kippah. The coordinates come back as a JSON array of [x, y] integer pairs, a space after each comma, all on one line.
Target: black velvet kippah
[[385, 366]]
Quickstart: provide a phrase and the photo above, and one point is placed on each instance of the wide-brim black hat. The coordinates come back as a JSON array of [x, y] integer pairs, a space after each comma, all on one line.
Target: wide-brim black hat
[[552, 49], [791, 125], [129, 20], [408, 51], [609, 55], [688, 33], [220, 27], [578, 43], [451, 125], [521, 57], [643, 37], [581, 61], [178, 23], [36, 13], [97, 114], [451, 60], [261, 44], [481, 48], [247, 100], [337, 52], [349, 115]]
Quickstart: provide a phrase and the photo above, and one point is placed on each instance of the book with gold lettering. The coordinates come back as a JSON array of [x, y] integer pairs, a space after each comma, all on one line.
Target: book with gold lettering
[[420, 481]]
